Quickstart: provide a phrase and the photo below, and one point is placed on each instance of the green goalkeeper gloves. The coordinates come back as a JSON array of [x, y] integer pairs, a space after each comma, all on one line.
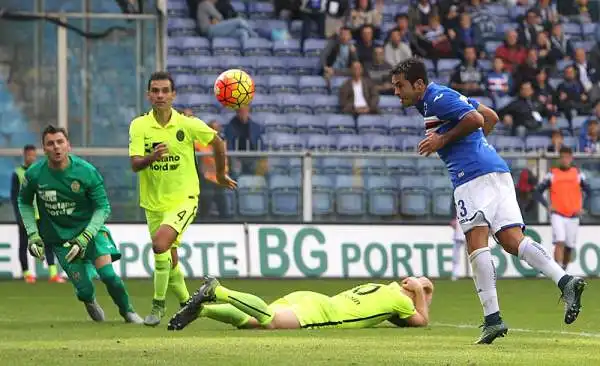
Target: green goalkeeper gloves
[[35, 245], [78, 246]]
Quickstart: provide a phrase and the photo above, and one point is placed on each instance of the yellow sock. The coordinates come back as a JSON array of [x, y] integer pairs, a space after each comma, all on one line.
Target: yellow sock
[[52, 271], [177, 284], [26, 273], [247, 303], [162, 267]]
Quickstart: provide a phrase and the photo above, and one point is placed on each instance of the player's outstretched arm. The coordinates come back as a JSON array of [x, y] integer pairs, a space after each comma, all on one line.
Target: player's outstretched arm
[[490, 118], [220, 156], [97, 194], [25, 203]]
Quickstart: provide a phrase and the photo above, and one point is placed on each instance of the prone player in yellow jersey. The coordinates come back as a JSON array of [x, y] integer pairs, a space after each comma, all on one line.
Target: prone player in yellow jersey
[[161, 149], [404, 303]]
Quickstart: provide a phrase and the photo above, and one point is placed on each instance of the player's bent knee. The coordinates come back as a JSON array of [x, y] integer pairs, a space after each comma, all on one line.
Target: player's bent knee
[[163, 239], [477, 238], [510, 239]]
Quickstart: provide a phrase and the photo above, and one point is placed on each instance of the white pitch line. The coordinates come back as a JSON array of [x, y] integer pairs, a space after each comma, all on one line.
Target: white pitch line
[[521, 330]]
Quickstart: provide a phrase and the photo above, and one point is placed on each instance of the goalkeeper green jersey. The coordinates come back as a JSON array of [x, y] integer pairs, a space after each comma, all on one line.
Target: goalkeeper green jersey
[[69, 201]]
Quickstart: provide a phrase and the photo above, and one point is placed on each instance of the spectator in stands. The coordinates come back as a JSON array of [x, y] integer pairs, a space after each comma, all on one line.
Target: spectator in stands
[[210, 191], [512, 53], [211, 23], [379, 72], [226, 9], [242, 133], [406, 35], [419, 15], [548, 13], [468, 77], [580, 11], [482, 17], [557, 142], [498, 81], [523, 114], [338, 54], [562, 47], [435, 40], [590, 142], [571, 94], [396, 49], [529, 28], [358, 95], [365, 14], [583, 70], [365, 45], [527, 71], [544, 93], [544, 50], [312, 12], [524, 188], [465, 35], [450, 16]]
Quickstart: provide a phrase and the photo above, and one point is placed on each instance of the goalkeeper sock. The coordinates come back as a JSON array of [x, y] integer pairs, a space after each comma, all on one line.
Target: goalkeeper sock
[[248, 303], [162, 268], [177, 284], [52, 271], [225, 313], [116, 288]]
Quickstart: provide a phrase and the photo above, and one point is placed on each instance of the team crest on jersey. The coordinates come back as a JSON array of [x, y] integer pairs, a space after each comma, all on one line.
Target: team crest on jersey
[[180, 135], [75, 186]]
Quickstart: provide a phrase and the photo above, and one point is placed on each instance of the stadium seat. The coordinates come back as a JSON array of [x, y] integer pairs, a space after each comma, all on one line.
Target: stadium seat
[[322, 195], [180, 65], [410, 143], [181, 27], [383, 196], [177, 9], [323, 103], [333, 166], [571, 142], [247, 64], [291, 103], [310, 124], [312, 85], [288, 47], [405, 125], [508, 143], [489, 102], [401, 166], [572, 29], [265, 103], [350, 195], [285, 196], [321, 142], [337, 124], [447, 66], [283, 84], [335, 83], [173, 47], [589, 29], [273, 123], [390, 104], [314, 47], [283, 141], [414, 196], [239, 7], [350, 143], [278, 166], [189, 83], [206, 65], [257, 47], [224, 46], [382, 143], [252, 196], [202, 103], [502, 102], [270, 66], [491, 46], [537, 143], [194, 46], [594, 199], [374, 124], [431, 166], [369, 166], [302, 65], [258, 10], [441, 196]]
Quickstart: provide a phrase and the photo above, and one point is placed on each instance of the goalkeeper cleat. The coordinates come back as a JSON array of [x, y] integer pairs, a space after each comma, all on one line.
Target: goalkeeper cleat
[[189, 313], [491, 332], [132, 317], [94, 311], [571, 295], [156, 314], [29, 278], [56, 279]]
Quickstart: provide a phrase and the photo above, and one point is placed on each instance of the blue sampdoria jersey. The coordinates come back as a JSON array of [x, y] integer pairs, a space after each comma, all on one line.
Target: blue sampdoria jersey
[[469, 157]]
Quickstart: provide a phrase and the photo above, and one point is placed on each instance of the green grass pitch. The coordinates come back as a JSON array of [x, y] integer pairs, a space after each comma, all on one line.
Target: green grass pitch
[[43, 324]]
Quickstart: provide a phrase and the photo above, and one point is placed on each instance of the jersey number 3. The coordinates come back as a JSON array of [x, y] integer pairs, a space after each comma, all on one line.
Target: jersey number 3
[[462, 209]]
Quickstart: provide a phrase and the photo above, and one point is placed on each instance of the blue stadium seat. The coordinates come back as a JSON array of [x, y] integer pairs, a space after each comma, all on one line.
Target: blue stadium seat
[[382, 143], [336, 83], [537, 143], [508, 143], [337, 124], [179, 65], [258, 10], [441, 196], [502, 102], [239, 7], [270, 66], [193, 46], [173, 48], [273, 123], [302, 65], [177, 9], [258, 47], [390, 104], [374, 124], [312, 85], [189, 84], [278, 166], [261, 84], [589, 29], [247, 64], [288, 47], [265, 103], [515, 12], [310, 124], [594, 199], [295, 167], [206, 65], [414, 196], [292, 103], [283, 84], [405, 125], [573, 30], [431, 166], [322, 195], [350, 143], [350, 195], [587, 45], [383, 196], [323, 103], [498, 10], [334, 165], [488, 102], [401, 166], [447, 66], [314, 47], [571, 142], [283, 141], [369, 166], [202, 103], [321, 142], [579, 121], [410, 143], [181, 27], [285, 196], [491, 46], [252, 196]]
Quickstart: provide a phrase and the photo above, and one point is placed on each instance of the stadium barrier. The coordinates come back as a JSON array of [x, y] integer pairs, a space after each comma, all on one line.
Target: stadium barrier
[[301, 251]]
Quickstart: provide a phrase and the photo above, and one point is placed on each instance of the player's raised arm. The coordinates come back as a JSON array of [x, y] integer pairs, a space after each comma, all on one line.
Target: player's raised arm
[[25, 203], [137, 151], [421, 318]]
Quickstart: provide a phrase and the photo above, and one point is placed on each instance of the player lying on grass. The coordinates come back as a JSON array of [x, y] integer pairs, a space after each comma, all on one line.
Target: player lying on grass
[[73, 208], [403, 303]]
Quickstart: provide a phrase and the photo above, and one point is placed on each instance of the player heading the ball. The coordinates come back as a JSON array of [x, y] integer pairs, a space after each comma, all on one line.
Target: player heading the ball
[[161, 150]]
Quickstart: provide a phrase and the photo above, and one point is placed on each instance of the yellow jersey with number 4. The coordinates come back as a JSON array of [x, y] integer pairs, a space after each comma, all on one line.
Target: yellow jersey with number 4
[[166, 183]]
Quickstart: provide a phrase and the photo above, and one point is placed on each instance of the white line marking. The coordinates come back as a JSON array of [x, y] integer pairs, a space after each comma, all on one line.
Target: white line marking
[[521, 330]]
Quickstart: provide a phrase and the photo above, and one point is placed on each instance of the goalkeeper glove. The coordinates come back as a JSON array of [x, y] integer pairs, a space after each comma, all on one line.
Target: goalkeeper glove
[[78, 246], [35, 245]]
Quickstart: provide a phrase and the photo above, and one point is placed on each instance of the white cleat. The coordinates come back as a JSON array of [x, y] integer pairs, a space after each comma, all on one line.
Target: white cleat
[[133, 318], [94, 311]]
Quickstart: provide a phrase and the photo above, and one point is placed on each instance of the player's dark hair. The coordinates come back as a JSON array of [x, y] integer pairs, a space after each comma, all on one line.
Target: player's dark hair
[[161, 75], [51, 130], [413, 69], [28, 147], [566, 150]]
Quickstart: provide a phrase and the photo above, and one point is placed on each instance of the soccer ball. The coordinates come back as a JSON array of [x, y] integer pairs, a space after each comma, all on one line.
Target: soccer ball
[[234, 88]]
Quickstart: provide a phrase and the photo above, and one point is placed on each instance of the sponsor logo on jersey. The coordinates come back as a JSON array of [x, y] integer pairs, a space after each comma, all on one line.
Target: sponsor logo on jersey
[[165, 164], [75, 186], [180, 135]]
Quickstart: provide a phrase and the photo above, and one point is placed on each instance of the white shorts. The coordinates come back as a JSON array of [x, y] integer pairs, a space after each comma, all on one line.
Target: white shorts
[[564, 229], [488, 200], [459, 235]]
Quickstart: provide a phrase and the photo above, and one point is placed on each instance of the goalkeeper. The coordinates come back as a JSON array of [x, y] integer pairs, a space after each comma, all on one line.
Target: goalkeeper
[[73, 208], [405, 304]]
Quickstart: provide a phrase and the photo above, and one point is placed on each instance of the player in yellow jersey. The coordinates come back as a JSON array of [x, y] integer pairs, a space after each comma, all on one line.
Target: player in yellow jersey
[[404, 303], [161, 149]]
